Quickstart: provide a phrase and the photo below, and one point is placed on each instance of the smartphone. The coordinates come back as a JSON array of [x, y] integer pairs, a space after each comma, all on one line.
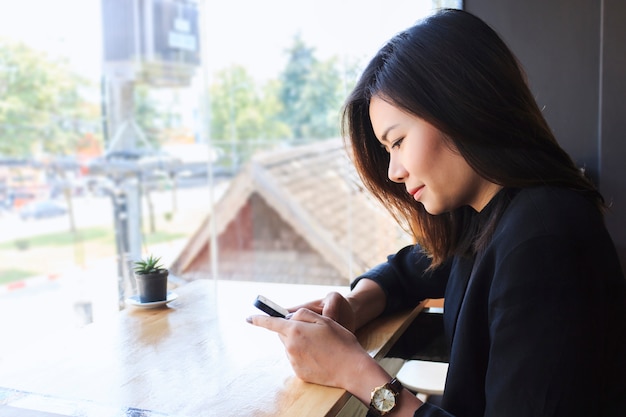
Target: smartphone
[[268, 306]]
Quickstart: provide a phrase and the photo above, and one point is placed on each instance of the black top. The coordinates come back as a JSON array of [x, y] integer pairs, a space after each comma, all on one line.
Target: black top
[[536, 321]]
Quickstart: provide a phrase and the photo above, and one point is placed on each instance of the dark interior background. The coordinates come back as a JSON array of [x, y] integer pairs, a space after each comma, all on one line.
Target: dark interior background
[[574, 53]]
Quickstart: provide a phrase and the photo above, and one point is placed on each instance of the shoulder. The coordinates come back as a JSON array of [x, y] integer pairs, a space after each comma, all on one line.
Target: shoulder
[[550, 211]]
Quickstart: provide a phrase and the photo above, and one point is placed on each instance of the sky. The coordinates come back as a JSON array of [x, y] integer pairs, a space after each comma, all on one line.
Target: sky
[[251, 33], [256, 33], [63, 27]]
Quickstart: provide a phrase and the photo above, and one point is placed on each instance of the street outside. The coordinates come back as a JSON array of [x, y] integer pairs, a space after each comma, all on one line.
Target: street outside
[[72, 295]]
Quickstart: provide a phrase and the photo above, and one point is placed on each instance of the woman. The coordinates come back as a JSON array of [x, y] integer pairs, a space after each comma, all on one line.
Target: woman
[[444, 130]]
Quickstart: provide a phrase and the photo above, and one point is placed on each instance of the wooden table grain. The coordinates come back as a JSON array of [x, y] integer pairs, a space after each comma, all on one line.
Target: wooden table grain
[[196, 356]]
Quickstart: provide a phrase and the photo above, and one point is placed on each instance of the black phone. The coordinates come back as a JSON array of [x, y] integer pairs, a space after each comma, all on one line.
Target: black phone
[[268, 306]]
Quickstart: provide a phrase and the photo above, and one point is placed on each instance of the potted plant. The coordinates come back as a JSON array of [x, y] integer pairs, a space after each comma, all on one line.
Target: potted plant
[[151, 278]]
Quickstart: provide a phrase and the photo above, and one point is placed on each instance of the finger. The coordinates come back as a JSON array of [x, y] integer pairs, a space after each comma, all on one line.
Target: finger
[[316, 306], [307, 316], [274, 324], [332, 305]]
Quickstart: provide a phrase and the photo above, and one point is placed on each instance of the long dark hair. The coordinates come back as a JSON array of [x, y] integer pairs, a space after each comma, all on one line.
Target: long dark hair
[[452, 70]]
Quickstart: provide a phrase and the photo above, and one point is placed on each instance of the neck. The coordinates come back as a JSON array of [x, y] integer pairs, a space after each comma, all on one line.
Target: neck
[[488, 191]]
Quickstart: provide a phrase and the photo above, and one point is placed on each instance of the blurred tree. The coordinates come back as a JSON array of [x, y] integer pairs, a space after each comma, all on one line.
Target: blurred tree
[[312, 93], [148, 116], [304, 103], [244, 116], [42, 108], [322, 99], [294, 80]]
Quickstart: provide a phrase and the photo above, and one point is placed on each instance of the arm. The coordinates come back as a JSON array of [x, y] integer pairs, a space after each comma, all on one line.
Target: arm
[[319, 338], [406, 280], [323, 352], [398, 284], [364, 303], [367, 300]]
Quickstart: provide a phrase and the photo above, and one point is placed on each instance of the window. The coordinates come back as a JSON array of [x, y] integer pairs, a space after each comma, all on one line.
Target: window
[[125, 124]]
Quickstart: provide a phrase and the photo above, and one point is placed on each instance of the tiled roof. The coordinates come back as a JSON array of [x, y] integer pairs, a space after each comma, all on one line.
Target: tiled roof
[[316, 192]]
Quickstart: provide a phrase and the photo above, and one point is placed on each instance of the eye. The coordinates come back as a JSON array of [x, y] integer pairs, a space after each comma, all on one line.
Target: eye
[[397, 143]]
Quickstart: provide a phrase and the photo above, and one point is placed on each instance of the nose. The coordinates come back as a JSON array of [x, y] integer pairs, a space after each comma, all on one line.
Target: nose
[[396, 171]]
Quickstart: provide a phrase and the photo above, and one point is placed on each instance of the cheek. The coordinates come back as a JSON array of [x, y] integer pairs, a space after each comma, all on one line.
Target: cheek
[[433, 164], [449, 176], [422, 160], [460, 182]]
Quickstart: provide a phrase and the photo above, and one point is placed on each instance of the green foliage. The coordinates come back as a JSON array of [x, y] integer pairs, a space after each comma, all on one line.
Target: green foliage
[[44, 107], [149, 265], [244, 116], [161, 237], [11, 275], [41, 104], [151, 119], [242, 110], [61, 239], [95, 234], [304, 103], [312, 94], [294, 80]]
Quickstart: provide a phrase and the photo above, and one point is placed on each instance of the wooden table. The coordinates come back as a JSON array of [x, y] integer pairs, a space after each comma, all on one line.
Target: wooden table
[[195, 357]]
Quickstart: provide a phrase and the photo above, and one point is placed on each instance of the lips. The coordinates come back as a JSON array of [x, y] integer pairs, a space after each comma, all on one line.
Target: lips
[[416, 192]]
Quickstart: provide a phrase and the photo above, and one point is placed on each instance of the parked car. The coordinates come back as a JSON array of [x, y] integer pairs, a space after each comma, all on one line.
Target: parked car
[[42, 209]]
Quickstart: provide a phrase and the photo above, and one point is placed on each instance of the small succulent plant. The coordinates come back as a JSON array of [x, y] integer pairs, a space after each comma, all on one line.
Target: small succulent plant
[[149, 265]]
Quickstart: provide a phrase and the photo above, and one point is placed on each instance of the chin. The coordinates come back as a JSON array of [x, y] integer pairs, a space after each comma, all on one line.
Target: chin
[[434, 209]]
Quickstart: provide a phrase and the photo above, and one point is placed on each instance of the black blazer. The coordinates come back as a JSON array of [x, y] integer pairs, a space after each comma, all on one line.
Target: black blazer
[[536, 322]]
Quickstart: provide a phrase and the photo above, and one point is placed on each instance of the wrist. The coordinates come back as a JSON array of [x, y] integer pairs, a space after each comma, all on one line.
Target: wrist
[[367, 374], [385, 398], [393, 400], [367, 301]]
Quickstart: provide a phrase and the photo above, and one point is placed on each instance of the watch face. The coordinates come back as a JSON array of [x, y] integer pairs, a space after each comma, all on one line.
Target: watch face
[[384, 400]]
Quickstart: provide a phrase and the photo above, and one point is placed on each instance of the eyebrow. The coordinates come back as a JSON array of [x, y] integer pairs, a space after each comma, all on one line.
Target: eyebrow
[[383, 137]]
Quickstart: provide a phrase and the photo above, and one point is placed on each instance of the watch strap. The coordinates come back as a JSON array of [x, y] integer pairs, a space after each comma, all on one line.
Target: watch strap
[[396, 386]]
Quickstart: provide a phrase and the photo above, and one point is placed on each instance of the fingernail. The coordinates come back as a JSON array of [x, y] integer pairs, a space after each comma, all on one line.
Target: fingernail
[[249, 320], [288, 316]]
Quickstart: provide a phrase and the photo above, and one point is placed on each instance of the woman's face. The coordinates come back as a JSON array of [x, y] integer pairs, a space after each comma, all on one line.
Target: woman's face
[[434, 173]]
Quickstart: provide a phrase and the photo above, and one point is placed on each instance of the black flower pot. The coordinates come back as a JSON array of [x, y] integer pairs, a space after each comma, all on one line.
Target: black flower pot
[[152, 287]]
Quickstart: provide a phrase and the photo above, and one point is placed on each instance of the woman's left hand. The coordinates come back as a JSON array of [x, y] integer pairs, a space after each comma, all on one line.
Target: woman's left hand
[[334, 306]]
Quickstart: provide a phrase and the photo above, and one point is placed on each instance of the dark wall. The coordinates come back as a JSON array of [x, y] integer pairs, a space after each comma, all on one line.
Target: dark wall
[[613, 121], [574, 53]]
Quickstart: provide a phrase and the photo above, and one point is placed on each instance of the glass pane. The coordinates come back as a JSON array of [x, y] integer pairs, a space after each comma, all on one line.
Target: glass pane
[[125, 124]]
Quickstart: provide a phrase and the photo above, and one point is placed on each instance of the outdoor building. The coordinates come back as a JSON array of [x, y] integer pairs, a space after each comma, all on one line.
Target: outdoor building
[[299, 215]]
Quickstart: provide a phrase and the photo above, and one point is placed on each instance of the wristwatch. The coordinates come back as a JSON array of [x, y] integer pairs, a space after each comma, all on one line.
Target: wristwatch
[[385, 397]]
